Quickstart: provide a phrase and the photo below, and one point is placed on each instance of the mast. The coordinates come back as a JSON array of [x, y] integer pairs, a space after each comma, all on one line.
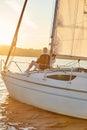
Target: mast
[[14, 41], [54, 21]]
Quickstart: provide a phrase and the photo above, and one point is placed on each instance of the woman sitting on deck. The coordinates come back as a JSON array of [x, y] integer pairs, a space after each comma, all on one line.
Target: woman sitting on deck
[[43, 62]]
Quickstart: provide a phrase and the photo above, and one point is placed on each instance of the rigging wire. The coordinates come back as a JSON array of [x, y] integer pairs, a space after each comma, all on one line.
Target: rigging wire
[[52, 39], [75, 18], [12, 56], [14, 41]]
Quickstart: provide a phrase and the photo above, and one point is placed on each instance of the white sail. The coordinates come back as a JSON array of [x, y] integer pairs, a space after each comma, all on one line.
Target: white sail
[[70, 28], [63, 89]]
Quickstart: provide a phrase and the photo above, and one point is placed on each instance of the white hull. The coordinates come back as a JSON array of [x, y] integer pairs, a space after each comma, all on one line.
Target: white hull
[[64, 97]]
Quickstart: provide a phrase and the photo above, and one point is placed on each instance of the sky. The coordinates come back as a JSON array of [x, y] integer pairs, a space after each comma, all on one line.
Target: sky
[[36, 26]]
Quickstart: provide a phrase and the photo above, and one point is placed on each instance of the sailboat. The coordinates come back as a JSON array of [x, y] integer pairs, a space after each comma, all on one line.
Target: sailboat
[[60, 89]]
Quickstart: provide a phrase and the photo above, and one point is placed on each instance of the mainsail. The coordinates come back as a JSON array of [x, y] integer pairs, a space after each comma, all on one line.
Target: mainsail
[[69, 36]]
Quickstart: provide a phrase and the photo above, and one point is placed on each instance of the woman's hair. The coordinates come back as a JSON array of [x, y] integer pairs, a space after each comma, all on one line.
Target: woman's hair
[[45, 50]]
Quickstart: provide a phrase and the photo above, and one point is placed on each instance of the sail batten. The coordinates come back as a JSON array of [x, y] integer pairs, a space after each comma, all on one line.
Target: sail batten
[[70, 29]]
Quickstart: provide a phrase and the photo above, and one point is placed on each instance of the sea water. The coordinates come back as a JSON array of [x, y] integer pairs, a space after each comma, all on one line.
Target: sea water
[[18, 116]]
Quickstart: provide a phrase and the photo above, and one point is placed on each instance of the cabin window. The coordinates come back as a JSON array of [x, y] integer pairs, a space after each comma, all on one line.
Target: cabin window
[[62, 77]]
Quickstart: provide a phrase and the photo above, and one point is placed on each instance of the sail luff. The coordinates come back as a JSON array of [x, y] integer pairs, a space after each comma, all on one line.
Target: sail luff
[[14, 41], [54, 20]]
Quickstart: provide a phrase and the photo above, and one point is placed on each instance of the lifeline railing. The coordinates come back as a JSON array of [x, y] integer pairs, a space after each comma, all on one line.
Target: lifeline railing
[[56, 67]]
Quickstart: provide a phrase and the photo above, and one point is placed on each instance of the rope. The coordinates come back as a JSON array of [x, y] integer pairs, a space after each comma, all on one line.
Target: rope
[[14, 41], [75, 18]]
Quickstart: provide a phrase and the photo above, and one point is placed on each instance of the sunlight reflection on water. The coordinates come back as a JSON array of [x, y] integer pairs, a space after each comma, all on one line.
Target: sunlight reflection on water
[[3, 96], [33, 116]]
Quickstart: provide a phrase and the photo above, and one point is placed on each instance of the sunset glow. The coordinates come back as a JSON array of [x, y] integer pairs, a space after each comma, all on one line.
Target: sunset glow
[[35, 28]]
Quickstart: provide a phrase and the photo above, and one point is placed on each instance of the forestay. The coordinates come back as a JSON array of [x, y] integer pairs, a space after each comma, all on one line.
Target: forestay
[[69, 36]]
